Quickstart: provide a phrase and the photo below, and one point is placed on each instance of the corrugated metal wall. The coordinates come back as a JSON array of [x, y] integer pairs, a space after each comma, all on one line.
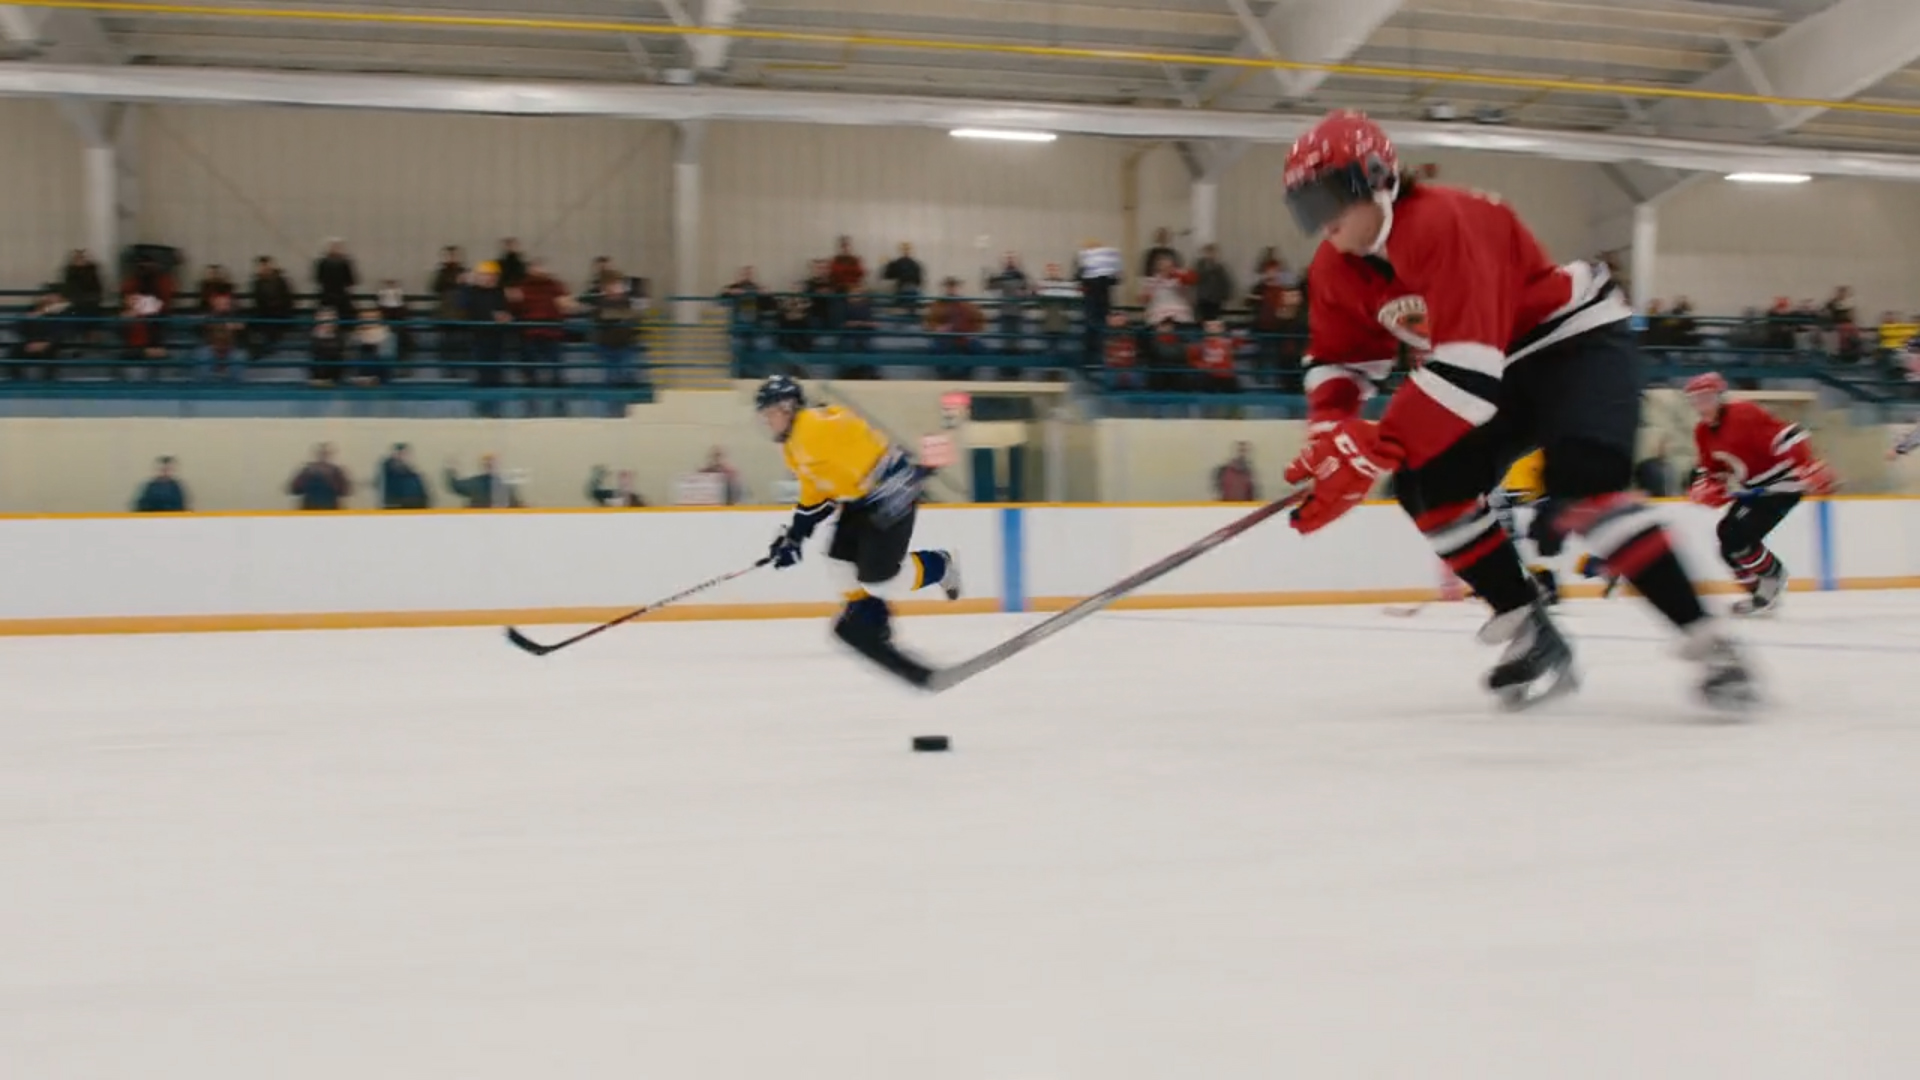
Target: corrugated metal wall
[[231, 184], [1730, 246], [1557, 199], [778, 195], [42, 217]]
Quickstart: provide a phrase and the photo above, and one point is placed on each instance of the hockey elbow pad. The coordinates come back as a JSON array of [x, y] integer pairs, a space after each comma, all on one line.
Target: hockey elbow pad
[[898, 489], [806, 519]]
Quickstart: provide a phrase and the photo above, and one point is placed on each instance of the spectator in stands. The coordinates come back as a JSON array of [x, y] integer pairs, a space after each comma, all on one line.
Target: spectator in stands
[[162, 493], [447, 287], [214, 281], [1010, 284], [484, 303], [1213, 284], [1840, 308], [375, 348], [616, 321], [85, 292], [954, 320], [42, 333], [401, 485], [541, 303], [320, 484], [621, 494], [273, 307], [1212, 360], [1168, 365], [1268, 260], [1122, 353], [486, 489], [1164, 294], [391, 301], [1097, 268], [1162, 249], [1234, 482], [717, 465], [222, 347], [748, 302], [846, 272], [907, 276], [513, 265], [820, 298], [856, 336], [146, 298], [1281, 325], [1059, 295], [334, 277], [328, 348]]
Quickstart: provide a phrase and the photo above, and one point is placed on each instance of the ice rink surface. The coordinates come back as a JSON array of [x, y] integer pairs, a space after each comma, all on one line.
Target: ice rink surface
[[1196, 845]]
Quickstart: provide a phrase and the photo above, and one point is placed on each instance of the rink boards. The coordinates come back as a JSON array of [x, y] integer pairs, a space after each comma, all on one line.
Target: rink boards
[[213, 572]]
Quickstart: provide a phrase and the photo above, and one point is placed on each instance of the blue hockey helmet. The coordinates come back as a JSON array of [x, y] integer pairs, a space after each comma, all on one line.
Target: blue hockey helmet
[[776, 389]]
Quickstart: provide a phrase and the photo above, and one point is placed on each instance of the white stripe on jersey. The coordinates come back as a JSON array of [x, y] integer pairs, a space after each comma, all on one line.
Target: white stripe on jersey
[[1470, 407]]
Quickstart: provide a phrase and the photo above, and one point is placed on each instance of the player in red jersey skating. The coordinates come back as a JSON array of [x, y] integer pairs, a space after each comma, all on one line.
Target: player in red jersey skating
[[1517, 353], [1759, 464]]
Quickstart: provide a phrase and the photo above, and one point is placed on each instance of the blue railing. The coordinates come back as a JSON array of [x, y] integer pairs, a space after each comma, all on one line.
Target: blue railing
[[487, 365]]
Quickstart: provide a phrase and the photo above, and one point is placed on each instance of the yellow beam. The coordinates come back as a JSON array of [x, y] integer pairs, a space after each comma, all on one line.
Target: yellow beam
[[885, 41]]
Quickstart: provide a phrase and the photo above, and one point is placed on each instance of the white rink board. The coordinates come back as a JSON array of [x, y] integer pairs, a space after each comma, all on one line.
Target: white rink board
[[134, 567]]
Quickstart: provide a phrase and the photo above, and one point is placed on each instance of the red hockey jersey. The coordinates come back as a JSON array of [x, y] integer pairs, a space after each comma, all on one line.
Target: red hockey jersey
[[1462, 280], [1750, 449]]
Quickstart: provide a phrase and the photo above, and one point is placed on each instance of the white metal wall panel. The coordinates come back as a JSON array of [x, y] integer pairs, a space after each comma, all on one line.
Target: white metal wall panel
[[1729, 246], [42, 212], [779, 195], [1557, 200], [229, 184]]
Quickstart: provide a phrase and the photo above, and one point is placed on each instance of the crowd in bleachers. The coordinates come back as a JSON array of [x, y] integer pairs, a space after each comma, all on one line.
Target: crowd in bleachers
[[1179, 325], [1173, 324], [496, 322]]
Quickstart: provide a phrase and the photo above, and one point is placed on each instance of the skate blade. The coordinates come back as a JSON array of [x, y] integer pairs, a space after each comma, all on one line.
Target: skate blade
[[1534, 694]]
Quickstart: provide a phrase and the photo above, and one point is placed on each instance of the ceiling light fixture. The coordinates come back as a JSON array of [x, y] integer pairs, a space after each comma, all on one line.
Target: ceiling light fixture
[[1003, 135]]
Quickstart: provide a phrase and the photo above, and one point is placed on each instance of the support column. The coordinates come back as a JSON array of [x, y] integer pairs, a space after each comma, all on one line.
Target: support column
[[1204, 216], [1646, 243], [686, 220], [102, 183]]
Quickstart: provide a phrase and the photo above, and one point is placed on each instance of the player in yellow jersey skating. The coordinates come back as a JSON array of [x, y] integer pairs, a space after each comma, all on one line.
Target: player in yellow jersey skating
[[843, 463], [1526, 485]]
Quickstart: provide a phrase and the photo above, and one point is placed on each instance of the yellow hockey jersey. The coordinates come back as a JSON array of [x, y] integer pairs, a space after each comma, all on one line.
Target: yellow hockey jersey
[[1526, 481], [835, 455]]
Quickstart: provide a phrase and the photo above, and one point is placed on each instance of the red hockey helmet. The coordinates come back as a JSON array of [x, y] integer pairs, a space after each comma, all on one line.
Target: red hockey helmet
[[1342, 160], [1710, 383]]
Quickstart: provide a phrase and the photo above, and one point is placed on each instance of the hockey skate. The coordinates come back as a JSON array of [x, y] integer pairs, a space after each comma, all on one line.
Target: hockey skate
[[1537, 664], [950, 581], [1728, 683], [1767, 590]]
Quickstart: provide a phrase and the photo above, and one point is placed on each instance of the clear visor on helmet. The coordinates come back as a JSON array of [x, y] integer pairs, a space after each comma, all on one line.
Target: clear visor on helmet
[[1317, 202]]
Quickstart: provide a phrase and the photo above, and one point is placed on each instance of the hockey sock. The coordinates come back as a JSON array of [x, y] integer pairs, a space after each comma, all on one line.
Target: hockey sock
[[928, 568], [1469, 539], [1627, 534], [1751, 565]]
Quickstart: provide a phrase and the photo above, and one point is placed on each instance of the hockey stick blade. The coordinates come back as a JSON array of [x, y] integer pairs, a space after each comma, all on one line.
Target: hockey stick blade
[[528, 645], [949, 677]]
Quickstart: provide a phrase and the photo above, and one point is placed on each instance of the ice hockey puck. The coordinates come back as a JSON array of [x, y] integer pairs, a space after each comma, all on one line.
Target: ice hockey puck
[[930, 743]]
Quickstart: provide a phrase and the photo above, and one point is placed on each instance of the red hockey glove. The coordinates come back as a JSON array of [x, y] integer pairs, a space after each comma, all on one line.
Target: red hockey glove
[[1816, 477], [1709, 492], [1344, 459]]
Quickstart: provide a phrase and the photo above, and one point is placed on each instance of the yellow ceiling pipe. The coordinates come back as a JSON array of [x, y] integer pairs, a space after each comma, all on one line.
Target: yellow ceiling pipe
[[883, 41]]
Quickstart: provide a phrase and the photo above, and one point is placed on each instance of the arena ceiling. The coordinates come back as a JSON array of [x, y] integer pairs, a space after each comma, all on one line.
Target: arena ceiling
[[1597, 66]]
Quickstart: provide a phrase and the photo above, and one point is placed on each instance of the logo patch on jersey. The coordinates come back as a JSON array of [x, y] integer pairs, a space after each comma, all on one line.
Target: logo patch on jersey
[[1405, 317], [1733, 471]]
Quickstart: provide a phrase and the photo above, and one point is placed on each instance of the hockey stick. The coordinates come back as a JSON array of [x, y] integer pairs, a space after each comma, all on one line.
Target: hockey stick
[[949, 677], [527, 644]]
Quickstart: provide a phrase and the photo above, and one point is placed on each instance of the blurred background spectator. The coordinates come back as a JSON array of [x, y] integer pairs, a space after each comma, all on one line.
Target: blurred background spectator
[[163, 492]]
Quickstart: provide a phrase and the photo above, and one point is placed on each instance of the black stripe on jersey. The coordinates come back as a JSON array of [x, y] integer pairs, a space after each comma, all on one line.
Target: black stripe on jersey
[[1479, 384], [1545, 330]]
